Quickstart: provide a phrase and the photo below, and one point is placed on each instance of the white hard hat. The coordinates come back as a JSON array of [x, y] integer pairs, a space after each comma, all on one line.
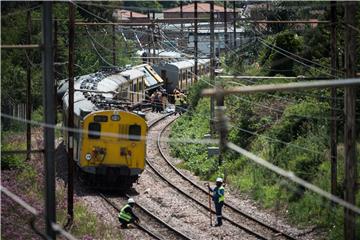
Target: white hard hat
[[219, 179], [131, 200]]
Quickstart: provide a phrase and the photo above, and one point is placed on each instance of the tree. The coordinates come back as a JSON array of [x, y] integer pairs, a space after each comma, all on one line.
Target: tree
[[273, 58]]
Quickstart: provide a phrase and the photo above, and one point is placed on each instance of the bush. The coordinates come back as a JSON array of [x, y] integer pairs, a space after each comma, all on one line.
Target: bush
[[11, 161]]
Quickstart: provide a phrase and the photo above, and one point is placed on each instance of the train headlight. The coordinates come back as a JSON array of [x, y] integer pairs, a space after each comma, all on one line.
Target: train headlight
[[115, 117], [88, 156]]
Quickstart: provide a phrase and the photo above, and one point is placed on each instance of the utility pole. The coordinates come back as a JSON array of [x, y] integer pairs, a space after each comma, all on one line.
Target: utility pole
[[350, 120], [333, 127], [181, 25], [153, 37], [196, 39], [70, 123], [113, 45], [28, 92], [49, 113], [148, 39], [212, 65], [56, 76], [234, 22], [225, 25]]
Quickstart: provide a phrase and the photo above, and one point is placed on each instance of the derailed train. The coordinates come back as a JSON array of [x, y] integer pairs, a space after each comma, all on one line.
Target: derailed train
[[110, 146]]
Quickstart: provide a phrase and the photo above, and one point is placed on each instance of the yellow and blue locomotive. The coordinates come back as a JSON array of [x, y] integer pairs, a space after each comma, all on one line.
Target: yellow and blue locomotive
[[110, 144]]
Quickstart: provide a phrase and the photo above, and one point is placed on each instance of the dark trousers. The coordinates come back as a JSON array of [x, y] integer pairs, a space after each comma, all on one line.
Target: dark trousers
[[218, 209], [178, 110], [124, 223]]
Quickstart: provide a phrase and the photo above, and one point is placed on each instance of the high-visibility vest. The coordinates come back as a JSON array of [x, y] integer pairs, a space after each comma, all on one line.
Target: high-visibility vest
[[177, 99], [124, 215], [221, 197]]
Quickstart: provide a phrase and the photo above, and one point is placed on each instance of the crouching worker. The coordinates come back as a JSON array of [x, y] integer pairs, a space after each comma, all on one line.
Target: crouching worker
[[126, 215], [218, 198]]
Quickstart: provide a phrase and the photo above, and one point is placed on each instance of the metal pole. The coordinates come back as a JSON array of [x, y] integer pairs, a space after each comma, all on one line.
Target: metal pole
[[153, 37], [149, 38], [56, 76], [28, 92], [234, 22], [196, 39], [114, 46], [350, 120], [71, 113], [225, 25], [49, 136], [333, 127], [181, 25], [212, 64]]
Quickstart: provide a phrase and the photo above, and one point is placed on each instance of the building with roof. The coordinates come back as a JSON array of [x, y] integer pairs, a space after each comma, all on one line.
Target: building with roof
[[121, 15], [203, 12]]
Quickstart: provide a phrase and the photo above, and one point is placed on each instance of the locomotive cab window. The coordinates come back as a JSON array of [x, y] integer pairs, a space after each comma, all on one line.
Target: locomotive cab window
[[100, 118], [94, 130], [134, 132]]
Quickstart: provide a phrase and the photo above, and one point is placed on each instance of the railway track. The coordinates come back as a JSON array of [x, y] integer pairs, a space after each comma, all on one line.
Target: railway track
[[199, 195], [163, 230]]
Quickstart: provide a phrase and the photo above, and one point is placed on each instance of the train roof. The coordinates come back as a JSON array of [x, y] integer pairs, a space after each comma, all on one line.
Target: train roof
[[103, 86], [183, 64], [132, 74], [188, 63]]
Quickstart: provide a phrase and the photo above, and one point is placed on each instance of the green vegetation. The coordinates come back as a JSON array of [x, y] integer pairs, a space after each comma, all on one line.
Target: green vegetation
[[296, 141], [290, 130], [93, 51], [86, 224]]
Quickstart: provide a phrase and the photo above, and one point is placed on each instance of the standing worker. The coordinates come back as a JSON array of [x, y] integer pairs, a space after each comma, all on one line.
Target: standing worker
[[218, 198], [126, 215]]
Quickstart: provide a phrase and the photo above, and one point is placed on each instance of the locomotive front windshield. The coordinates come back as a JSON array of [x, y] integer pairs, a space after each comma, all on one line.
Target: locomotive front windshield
[[94, 130]]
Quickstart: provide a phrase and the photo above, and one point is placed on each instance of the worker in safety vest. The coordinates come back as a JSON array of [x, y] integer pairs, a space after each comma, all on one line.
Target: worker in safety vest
[[126, 215], [218, 198]]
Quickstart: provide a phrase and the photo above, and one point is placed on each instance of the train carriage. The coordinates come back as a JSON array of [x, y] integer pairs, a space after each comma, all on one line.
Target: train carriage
[[180, 74], [109, 146]]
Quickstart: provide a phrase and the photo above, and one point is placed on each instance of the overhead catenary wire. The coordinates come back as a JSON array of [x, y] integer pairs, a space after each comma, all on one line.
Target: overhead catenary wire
[[260, 105], [270, 108], [97, 52]]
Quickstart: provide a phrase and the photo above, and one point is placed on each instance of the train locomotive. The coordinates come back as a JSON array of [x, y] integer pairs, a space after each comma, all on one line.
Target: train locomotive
[[110, 146]]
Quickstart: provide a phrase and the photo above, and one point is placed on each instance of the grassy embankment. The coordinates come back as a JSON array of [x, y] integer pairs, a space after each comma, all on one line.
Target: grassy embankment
[[295, 138]]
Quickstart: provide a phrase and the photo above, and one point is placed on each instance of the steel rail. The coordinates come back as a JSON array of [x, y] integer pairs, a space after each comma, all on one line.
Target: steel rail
[[138, 225], [161, 221], [233, 208], [246, 229]]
